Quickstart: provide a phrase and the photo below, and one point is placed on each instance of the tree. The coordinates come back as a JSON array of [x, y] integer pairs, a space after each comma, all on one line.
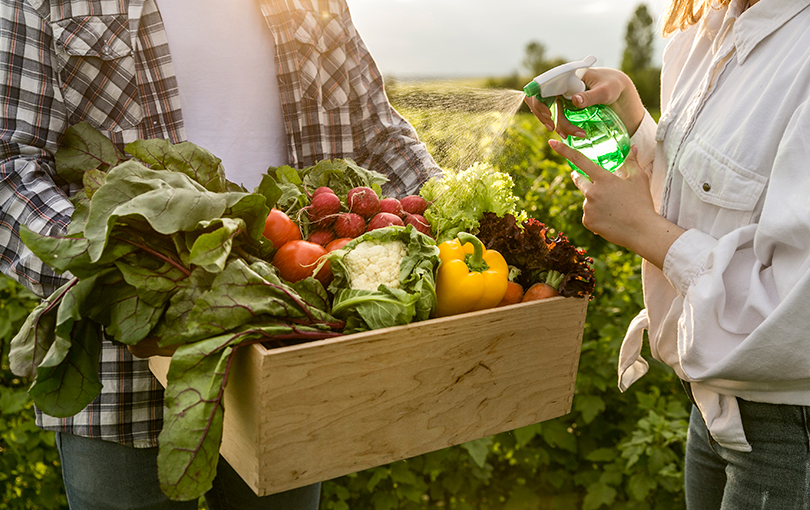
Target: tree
[[639, 41], [637, 57], [536, 61]]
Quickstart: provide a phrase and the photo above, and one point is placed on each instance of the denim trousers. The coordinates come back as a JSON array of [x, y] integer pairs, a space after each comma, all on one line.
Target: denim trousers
[[102, 475], [775, 475]]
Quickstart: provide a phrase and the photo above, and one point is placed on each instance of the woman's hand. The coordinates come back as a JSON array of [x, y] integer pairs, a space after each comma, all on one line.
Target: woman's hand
[[604, 86], [619, 207], [615, 89], [149, 347]]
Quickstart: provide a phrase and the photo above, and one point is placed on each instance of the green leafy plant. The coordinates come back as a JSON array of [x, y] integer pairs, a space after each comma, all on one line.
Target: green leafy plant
[[163, 250], [411, 298], [30, 474]]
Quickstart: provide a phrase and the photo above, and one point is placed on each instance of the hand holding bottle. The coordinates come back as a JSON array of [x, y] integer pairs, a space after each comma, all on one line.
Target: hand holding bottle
[[615, 89], [619, 206], [604, 86]]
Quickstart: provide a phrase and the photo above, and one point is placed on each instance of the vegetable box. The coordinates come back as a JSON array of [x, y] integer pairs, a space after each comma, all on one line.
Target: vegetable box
[[311, 412]]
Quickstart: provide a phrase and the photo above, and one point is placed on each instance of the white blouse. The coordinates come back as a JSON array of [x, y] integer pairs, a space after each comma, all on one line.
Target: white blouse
[[730, 162]]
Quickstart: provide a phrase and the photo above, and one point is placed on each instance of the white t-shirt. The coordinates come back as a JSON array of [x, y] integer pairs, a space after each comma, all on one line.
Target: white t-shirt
[[224, 58]]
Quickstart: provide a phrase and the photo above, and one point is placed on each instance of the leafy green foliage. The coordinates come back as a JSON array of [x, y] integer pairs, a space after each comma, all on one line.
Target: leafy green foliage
[[291, 189], [196, 279], [459, 199]]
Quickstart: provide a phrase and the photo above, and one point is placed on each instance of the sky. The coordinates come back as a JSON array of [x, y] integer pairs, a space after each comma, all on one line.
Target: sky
[[487, 38]]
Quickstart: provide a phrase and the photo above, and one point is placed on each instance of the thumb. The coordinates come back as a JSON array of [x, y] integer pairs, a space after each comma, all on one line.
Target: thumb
[[586, 98]]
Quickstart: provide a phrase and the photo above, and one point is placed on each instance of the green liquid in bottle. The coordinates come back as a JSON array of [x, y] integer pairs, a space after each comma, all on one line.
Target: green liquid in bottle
[[606, 142]]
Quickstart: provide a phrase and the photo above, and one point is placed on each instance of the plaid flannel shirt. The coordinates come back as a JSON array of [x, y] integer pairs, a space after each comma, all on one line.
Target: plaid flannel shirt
[[108, 62]]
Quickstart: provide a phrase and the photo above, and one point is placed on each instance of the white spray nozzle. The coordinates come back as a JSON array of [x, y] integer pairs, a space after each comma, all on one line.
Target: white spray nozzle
[[564, 80]]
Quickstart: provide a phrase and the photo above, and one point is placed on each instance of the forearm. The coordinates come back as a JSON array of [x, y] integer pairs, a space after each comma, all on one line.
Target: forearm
[[401, 157], [651, 238]]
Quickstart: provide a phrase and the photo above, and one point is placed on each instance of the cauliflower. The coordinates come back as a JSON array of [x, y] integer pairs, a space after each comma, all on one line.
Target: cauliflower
[[374, 263], [386, 277]]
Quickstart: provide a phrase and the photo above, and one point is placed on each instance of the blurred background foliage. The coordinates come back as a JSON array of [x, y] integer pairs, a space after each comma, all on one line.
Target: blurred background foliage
[[612, 451]]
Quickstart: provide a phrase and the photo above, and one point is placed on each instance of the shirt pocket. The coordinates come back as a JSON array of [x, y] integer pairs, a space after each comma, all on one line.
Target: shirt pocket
[[321, 57], [727, 193], [97, 73]]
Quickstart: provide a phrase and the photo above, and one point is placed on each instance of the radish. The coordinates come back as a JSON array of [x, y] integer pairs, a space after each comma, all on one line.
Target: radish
[[338, 243], [391, 205], [384, 219], [349, 225], [322, 189], [419, 222], [364, 201], [323, 208], [414, 204], [322, 237]]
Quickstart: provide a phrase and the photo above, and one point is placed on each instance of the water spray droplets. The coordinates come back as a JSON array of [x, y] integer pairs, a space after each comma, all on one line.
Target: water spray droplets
[[465, 123]]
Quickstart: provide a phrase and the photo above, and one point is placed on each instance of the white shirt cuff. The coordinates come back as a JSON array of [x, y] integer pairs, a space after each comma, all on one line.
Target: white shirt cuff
[[686, 258]]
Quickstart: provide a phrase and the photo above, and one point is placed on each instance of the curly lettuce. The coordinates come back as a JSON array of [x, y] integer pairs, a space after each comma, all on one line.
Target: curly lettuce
[[459, 199]]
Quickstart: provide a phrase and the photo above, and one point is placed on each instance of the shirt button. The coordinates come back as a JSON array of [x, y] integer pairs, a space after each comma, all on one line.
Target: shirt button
[[707, 187], [106, 51]]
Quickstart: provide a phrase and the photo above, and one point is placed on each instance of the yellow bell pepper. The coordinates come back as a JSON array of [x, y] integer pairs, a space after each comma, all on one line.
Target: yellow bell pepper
[[469, 277]]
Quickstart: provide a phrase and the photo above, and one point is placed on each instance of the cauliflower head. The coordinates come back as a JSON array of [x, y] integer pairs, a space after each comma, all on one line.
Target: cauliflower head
[[372, 263]]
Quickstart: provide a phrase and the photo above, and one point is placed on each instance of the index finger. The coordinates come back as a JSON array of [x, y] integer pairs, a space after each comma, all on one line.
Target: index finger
[[582, 162]]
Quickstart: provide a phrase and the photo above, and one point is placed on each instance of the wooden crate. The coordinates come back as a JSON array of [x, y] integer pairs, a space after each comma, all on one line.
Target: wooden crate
[[311, 412]]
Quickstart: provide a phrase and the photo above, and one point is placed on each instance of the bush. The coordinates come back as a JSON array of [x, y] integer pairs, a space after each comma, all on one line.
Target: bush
[[30, 474]]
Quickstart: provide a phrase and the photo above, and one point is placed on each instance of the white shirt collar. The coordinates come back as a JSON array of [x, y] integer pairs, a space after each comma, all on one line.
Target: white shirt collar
[[748, 26], [761, 20]]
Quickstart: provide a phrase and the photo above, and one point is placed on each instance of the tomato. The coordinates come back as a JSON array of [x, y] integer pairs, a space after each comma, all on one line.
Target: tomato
[[338, 243], [297, 260], [280, 228]]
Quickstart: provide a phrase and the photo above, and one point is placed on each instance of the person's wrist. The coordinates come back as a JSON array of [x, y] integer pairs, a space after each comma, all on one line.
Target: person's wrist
[[656, 236], [631, 109]]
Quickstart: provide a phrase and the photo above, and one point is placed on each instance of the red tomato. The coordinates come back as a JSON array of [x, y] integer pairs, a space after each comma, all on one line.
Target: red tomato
[[280, 228], [337, 244], [298, 259]]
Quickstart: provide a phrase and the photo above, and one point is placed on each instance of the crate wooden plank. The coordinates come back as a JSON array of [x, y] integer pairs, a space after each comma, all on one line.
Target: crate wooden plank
[[301, 414]]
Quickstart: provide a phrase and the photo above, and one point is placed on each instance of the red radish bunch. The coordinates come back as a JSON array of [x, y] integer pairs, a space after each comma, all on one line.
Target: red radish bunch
[[384, 219], [363, 211], [349, 225], [391, 205], [321, 236], [418, 221]]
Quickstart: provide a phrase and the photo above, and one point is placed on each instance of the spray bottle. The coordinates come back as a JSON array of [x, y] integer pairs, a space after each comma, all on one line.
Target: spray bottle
[[606, 141]]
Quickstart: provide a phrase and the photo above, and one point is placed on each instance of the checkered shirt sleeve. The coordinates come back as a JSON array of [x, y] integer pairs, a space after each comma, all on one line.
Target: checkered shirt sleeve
[[334, 99]]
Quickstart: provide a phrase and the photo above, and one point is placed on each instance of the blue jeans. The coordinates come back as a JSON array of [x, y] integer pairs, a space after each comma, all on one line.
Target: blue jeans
[[775, 475], [101, 475]]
